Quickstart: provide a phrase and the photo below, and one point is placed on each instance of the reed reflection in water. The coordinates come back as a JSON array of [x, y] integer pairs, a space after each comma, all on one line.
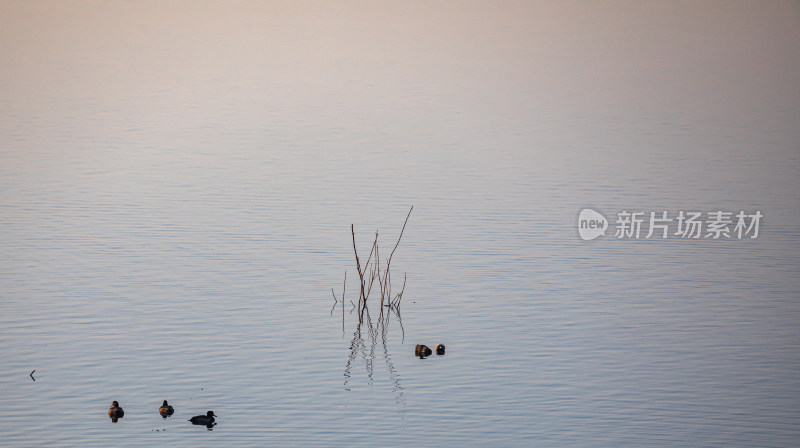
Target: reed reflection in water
[[379, 329]]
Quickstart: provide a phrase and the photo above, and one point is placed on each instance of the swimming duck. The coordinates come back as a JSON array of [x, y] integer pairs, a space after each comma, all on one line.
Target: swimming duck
[[207, 419], [115, 411], [166, 410], [422, 351]]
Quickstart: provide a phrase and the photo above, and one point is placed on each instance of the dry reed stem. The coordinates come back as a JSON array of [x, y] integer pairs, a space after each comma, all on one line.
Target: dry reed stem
[[358, 262], [344, 288], [386, 278]]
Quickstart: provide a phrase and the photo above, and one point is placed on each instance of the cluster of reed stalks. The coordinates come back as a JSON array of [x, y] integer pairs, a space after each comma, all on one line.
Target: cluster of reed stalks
[[375, 276], [371, 271]]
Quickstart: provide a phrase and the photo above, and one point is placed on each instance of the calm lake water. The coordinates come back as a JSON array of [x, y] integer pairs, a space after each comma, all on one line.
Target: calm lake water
[[178, 181]]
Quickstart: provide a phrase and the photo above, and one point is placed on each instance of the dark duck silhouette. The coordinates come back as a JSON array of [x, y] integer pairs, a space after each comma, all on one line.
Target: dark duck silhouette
[[166, 410], [207, 419], [115, 411], [422, 351]]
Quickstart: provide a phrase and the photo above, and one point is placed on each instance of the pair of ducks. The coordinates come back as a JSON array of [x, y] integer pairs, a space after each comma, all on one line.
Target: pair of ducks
[[116, 412], [424, 351]]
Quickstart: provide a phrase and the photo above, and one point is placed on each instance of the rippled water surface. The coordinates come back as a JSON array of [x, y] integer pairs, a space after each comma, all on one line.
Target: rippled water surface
[[178, 181]]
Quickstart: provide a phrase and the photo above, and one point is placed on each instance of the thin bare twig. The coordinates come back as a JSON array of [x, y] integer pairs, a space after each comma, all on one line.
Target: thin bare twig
[[400, 237], [389, 260], [374, 271], [369, 257], [399, 295], [358, 262], [344, 288]]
